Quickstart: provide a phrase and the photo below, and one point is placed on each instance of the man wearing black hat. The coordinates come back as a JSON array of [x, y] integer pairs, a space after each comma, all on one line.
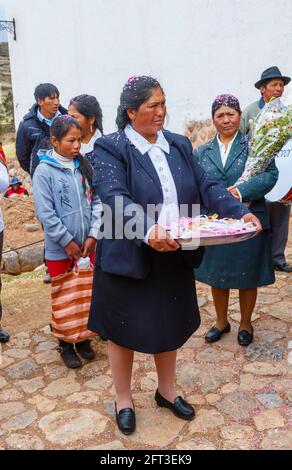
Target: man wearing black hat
[[272, 83]]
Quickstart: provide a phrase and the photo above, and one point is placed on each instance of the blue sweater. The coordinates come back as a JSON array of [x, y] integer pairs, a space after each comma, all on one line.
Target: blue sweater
[[64, 210]]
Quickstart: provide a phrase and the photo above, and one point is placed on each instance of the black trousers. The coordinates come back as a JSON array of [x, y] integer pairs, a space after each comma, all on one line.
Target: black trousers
[[279, 216], [1, 248]]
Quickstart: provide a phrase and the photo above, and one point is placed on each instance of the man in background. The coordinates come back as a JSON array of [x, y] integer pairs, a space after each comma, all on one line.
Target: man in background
[[34, 129], [271, 84]]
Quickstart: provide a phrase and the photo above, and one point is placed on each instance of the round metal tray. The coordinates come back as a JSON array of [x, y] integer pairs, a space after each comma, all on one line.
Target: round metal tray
[[193, 243]]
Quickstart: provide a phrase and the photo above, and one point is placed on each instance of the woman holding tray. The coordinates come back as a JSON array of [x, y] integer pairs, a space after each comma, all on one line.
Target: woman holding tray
[[246, 265], [144, 298]]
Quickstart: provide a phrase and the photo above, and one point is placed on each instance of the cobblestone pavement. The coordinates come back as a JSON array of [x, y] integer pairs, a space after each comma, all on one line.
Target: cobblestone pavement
[[242, 396]]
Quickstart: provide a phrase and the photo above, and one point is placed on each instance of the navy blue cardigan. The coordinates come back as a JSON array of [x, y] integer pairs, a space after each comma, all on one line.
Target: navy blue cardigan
[[121, 170]]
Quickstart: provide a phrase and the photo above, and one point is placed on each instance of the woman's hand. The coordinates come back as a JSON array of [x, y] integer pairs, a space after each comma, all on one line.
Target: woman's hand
[[73, 250], [233, 190], [252, 218], [160, 240], [88, 247]]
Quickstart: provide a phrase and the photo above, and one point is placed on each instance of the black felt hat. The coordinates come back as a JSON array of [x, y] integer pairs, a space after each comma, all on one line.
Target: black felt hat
[[270, 74]]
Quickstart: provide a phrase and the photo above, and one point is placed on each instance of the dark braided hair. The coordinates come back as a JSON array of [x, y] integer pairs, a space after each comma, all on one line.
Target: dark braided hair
[[59, 128], [88, 106], [136, 91]]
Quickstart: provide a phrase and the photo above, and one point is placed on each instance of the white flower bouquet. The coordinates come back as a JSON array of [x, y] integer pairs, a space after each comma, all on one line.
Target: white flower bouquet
[[269, 133]]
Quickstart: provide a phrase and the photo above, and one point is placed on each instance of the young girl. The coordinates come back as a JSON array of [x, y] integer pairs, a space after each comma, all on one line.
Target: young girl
[[69, 211]]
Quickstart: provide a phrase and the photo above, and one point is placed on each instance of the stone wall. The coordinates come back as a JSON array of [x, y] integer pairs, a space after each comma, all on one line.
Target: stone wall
[[23, 236], [200, 132], [23, 260], [5, 74], [7, 117]]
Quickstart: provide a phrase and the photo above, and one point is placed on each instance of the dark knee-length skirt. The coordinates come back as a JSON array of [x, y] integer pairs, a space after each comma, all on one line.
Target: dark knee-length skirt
[[243, 265], [151, 315]]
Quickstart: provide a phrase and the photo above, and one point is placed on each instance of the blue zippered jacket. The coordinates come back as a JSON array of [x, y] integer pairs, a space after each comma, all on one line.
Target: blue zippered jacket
[[31, 136], [62, 206]]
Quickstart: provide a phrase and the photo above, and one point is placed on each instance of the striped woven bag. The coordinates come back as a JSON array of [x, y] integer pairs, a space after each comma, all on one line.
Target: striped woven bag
[[71, 297]]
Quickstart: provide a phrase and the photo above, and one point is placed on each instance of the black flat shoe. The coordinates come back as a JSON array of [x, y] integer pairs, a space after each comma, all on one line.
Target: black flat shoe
[[179, 407], [286, 268], [244, 337], [4, 336], [126, 420], [85, 350], [214, 334], [68, 354]]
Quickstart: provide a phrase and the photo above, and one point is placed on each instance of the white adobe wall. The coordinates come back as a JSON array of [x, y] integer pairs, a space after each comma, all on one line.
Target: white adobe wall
[[196, 48]]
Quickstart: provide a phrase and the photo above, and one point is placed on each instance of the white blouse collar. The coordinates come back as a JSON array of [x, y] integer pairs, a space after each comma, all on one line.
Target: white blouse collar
[[86, 148], [222, 146], [142, 144]]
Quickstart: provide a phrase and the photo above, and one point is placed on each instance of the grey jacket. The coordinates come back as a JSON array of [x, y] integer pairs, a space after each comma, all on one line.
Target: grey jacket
[[64, 210], [249, 114]]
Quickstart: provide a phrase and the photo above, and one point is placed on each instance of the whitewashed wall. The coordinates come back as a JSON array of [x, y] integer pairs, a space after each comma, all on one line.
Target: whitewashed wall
[[196, 48]]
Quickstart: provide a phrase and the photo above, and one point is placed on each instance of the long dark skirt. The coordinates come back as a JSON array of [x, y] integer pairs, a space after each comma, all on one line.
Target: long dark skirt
[[243, 265], [151, 315]]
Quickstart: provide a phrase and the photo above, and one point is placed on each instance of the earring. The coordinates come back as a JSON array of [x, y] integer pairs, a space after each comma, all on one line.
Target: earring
[[91, 129]]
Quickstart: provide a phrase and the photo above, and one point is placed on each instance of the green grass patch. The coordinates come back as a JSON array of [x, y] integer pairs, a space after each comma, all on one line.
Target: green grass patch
[[8, 278]]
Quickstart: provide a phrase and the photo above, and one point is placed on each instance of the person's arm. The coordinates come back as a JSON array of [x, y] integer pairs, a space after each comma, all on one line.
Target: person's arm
[[214, 195], [45, 208], [4, 178], [23, 147], [96, 212], [110, 183], [258, 186]]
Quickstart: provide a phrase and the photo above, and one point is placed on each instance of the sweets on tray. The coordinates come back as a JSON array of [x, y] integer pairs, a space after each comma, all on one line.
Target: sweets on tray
[[206, 226]]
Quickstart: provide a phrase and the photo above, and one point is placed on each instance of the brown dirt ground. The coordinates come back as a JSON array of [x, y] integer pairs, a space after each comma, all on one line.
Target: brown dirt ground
[[25, 298], [26, 302], [18, 211]]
